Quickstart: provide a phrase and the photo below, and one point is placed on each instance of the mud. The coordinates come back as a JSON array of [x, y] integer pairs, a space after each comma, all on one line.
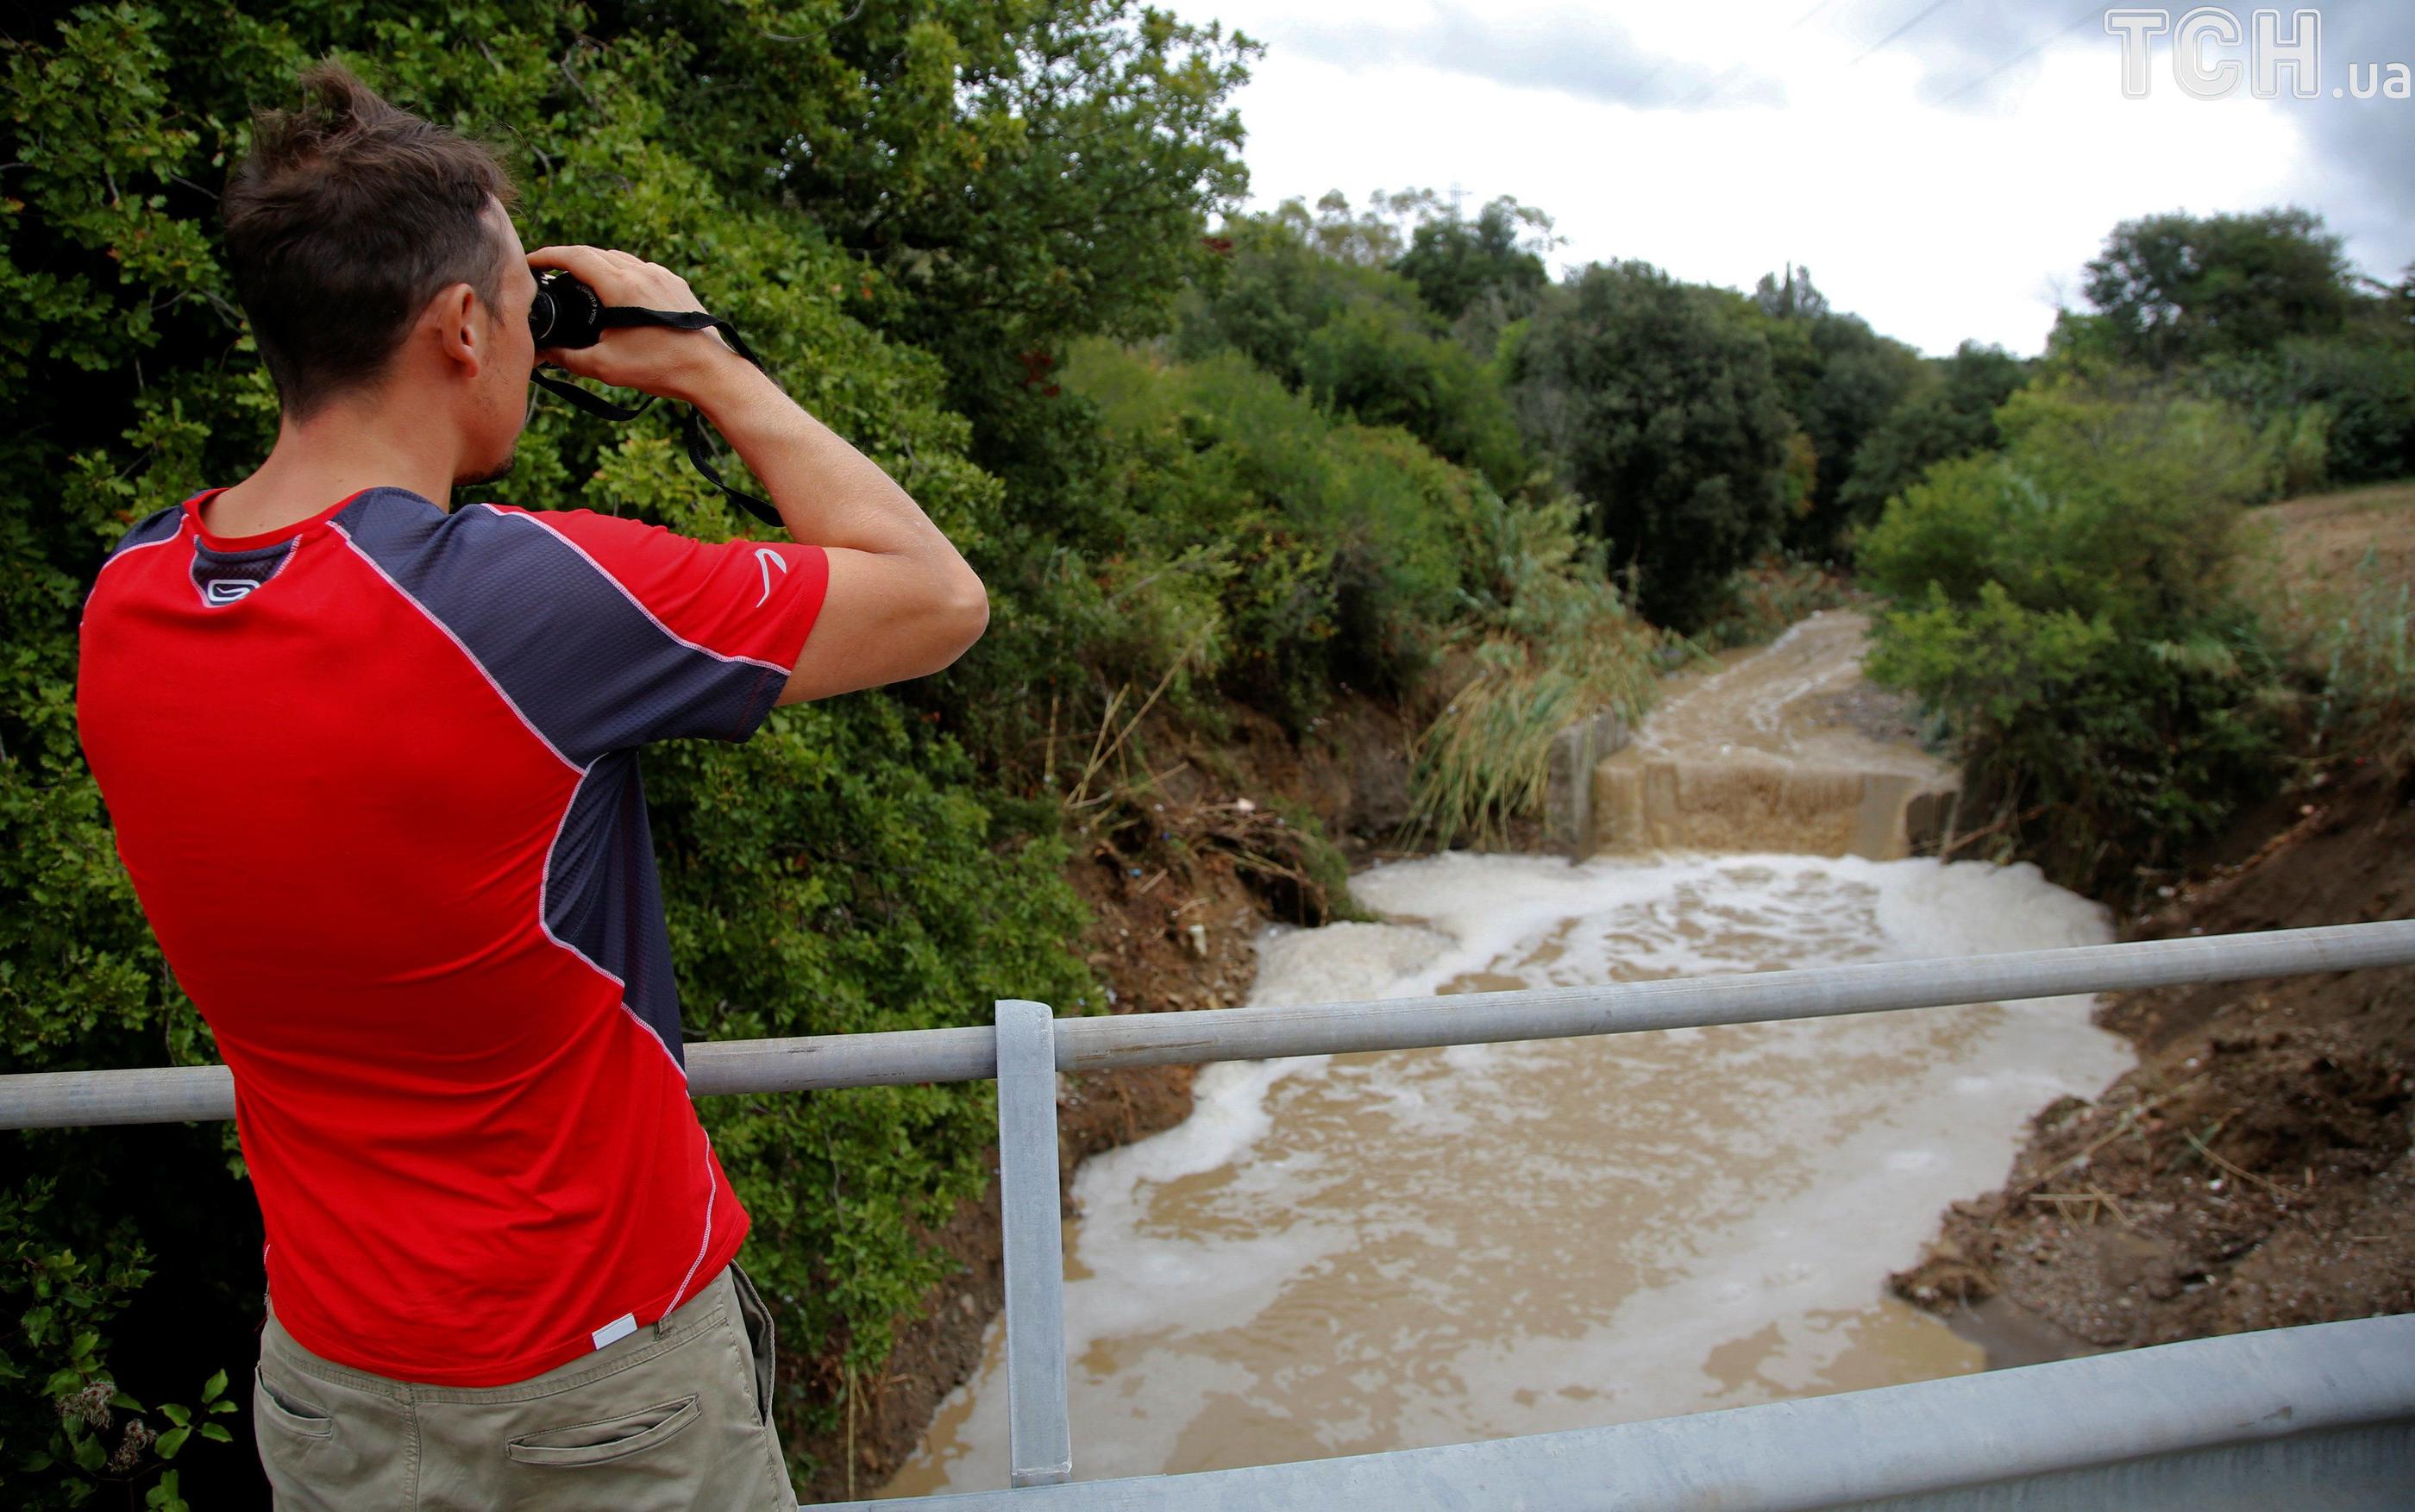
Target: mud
[[2255, 1171]]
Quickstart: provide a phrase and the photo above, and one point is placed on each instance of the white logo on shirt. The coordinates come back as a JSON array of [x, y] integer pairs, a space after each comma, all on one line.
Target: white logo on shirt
[[768, 559], [227, 589]]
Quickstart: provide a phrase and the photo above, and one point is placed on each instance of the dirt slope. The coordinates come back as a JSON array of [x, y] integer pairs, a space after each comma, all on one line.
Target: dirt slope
[[2255, 1171]]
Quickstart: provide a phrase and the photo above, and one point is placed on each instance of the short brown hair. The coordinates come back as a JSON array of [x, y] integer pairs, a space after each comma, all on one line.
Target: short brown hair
[[345, 219]]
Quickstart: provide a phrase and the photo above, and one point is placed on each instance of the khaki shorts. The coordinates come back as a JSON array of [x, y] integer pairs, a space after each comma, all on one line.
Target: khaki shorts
[[671, 1417]]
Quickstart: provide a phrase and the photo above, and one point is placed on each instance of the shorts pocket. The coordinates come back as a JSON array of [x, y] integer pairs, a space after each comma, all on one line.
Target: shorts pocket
[[287, 1412], [614, 1438], [760, 1347]]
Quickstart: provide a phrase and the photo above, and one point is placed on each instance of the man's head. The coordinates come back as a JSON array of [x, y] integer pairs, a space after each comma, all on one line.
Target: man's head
[[376, 257]]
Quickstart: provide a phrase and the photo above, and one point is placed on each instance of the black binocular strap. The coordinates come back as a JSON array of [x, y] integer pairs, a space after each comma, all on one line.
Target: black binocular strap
[[700, 451]]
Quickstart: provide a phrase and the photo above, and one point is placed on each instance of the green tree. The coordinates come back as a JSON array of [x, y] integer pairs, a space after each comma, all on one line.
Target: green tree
[[1316, 311], [1950, 412], [1498, 254], [857, 190], [2177, 288], [1658, 403], [1842, 380], [2070, 605]]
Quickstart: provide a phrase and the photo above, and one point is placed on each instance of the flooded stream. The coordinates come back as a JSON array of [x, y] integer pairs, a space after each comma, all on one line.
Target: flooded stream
[[1342, 1254], [1783, 748]]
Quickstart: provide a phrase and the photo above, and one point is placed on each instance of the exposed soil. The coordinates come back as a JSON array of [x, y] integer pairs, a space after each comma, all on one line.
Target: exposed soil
[[2325, 540], [2255, 1171], [1175, 912]]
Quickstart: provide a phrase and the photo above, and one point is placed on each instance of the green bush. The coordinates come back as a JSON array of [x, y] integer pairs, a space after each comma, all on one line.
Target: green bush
[[1335, 549], [1949, 415], [1550, 643], [2363, 390], [1373, 364], [2069, 607], [1760, 602], [1358, 338]]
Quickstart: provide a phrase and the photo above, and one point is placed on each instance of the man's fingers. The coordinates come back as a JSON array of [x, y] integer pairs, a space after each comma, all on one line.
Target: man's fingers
[[573, 258]]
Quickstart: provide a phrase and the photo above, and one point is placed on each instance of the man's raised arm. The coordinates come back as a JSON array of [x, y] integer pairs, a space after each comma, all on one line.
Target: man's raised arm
[[902, 602]]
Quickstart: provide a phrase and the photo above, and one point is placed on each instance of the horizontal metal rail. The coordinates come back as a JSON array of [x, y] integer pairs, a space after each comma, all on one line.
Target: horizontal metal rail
[[50, 1099], [2316, 1417]]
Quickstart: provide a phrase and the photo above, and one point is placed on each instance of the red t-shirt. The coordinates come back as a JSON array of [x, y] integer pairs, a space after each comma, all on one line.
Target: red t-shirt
[[375, 778]]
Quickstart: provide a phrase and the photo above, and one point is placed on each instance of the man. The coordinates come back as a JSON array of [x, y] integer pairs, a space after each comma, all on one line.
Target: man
[[372, 764]]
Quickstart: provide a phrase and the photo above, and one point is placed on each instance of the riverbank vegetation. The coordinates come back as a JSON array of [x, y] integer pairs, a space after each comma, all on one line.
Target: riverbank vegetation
[[2079, 603], [1214, 467]]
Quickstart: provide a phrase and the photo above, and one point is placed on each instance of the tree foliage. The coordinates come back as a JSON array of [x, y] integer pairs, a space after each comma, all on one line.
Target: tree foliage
[[2070, 605], [1498, 256], [2177, 288], [1841, 381], [858, 190], [1300, 298], [1659, 403], [1949, 412]]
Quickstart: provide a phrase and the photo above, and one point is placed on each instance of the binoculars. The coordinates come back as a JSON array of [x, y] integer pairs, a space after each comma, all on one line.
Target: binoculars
[[565, 312]]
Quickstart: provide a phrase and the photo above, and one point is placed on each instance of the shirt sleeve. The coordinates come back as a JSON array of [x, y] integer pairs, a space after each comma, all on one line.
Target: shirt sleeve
[[670, 635]]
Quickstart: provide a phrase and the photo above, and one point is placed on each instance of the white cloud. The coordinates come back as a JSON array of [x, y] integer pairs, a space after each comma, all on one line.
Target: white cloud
[[1936, 223]]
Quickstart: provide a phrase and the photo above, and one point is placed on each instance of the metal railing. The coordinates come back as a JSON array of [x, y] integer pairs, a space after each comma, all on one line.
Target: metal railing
[[2276, 1408]]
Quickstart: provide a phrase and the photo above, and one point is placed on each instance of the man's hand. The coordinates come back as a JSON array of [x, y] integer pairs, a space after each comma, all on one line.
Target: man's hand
[[900, 602], [654, 359]]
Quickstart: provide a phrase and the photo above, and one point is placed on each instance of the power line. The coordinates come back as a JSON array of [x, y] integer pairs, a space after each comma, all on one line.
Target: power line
[[1720, 83], [2029, 52], [1926, 12]]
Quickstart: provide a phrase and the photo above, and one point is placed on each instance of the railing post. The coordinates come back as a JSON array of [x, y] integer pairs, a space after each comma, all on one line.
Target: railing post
[[1040, 1442]]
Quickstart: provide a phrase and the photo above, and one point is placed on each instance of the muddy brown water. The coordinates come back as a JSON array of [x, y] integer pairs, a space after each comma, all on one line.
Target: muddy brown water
[[1343, 1254], [1786, 748]]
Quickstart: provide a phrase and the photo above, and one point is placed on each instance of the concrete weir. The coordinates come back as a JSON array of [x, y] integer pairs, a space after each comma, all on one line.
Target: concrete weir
[[1787, 747]]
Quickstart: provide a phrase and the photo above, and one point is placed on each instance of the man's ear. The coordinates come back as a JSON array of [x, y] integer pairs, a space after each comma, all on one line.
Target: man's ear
[[462, 334]]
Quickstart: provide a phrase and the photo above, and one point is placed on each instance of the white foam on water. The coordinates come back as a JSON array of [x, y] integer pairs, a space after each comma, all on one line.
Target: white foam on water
[[1346, 1254]]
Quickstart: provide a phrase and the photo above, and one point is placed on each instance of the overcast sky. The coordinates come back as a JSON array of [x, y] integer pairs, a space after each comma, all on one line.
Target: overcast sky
[[1943, 167]]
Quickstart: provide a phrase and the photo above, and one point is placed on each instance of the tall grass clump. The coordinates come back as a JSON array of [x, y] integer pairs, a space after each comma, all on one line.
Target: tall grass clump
[[1549, 641], [2354, 646]]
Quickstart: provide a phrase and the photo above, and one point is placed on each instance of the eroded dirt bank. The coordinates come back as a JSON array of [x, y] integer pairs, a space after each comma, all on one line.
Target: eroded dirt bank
[[1177, 903], [2255, 1171]]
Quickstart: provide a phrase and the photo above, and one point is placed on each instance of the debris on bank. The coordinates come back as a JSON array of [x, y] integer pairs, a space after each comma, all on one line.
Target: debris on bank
[[2255, 1171]]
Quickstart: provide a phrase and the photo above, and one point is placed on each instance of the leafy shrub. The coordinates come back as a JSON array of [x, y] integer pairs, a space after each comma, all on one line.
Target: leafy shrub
[[1373, 365], [2365, 390], [2069, 607], [1952, 413], [2297, 446], [1758, 603], [1358, 338], [1335, 546]]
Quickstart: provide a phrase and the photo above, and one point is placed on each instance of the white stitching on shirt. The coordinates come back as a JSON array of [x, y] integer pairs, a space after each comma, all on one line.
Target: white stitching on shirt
[[459, 645], [639, 604], [705, 1243]]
